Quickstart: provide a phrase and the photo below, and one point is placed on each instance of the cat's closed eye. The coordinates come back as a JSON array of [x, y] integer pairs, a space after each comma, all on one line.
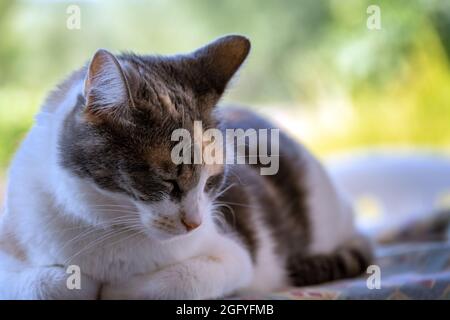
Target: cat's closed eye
[[172, 187], [213, 182]]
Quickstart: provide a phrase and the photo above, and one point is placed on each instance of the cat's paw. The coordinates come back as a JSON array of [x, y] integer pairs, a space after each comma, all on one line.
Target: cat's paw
[[149, 288], [51, 284], [177, 282], [136, 288]]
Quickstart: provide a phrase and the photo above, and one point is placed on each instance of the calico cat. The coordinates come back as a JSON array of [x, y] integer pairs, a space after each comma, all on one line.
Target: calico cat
[[94, 186]]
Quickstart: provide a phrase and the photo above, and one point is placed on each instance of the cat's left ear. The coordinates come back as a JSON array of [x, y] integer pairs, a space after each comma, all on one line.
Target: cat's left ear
[[106, 89], [219, 60]]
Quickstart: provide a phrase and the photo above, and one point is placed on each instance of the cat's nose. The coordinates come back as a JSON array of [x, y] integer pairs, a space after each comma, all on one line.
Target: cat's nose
[[190, 223]]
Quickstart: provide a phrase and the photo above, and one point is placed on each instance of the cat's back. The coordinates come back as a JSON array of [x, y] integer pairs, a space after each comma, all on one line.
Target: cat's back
[[292, 198]]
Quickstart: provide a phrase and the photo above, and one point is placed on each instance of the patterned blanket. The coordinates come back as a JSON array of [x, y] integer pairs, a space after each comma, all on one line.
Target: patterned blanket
[[413, 260]]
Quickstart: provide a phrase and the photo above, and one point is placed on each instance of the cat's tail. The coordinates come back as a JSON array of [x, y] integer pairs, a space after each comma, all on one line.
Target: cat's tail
[[349, 260], [427, 227]]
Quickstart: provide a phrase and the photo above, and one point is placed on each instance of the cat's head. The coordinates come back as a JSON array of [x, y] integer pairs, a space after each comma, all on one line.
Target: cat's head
[[119, 135]]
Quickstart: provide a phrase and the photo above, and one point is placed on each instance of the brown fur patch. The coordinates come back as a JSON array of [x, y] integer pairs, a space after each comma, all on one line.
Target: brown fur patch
[[282, 196], [10, 244], [159, 156], [168, 105]]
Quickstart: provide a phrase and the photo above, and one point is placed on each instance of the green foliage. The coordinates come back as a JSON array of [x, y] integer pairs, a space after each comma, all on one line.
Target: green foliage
[[16, 116]]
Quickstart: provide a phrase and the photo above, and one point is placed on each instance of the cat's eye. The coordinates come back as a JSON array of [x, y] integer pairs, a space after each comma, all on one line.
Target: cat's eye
[[173, 187], [212, 182]]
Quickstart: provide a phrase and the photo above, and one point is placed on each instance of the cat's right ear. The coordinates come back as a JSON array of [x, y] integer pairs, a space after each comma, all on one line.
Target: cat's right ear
[[106, 89]]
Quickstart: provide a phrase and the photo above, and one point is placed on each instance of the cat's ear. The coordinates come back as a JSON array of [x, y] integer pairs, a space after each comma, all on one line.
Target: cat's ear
[[106, 88], [220, 59]]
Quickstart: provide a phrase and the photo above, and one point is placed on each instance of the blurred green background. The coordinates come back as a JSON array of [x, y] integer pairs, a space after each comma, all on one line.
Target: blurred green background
[[315, 66]]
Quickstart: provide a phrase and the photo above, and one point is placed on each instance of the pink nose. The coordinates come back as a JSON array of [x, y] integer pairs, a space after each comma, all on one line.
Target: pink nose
[[190, 225]]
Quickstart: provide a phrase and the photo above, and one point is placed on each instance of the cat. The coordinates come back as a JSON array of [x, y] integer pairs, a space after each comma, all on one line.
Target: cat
[[93, 186]]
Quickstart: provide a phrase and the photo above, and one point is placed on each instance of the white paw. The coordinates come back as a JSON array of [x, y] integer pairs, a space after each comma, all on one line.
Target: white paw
[[176, 282], [51, 284]]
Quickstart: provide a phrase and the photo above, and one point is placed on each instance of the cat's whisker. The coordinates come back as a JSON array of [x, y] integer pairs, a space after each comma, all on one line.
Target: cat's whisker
[[116, 210], [95, 228], [106, 236], [218, 215], [224, 190], [112, 205], [238, 204], [233, 214], [221, 220], [126, 215], [110, 232], [140, 232], [108, 223], [236, 175], [79, 237]]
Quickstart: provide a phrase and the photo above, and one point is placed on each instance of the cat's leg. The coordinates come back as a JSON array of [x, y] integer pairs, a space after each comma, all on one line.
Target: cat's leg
[[23, 282], [208, 276], [349, 260]]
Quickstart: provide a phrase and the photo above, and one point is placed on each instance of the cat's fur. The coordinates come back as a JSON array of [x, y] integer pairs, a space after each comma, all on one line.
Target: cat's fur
[[93, 185]]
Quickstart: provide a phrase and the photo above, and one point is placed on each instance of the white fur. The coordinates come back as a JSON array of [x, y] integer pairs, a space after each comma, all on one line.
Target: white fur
[[269, 272], [48, 214], [58, 221], [330, 213]]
